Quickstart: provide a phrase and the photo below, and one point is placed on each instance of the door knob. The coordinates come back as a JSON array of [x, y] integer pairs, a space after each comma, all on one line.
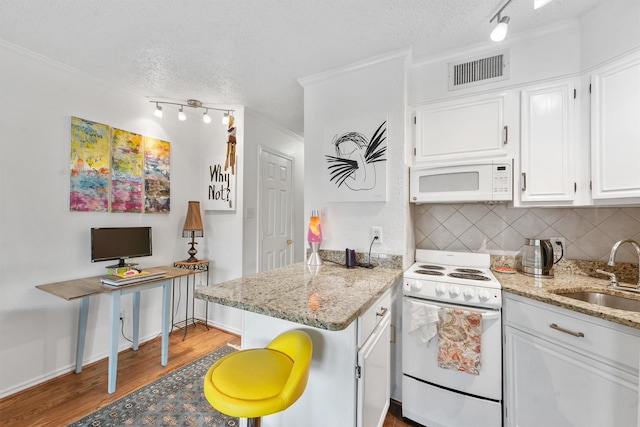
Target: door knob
[[289, 241]]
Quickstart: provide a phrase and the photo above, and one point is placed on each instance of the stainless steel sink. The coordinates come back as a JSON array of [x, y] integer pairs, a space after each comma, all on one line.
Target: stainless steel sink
[[604, 300]]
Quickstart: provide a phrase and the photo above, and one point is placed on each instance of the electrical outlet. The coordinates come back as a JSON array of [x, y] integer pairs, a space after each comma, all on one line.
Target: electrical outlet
[[376, 232], [559, 246]]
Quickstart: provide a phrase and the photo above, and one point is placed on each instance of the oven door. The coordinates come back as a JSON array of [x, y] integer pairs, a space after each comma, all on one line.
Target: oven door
[[420, 361]]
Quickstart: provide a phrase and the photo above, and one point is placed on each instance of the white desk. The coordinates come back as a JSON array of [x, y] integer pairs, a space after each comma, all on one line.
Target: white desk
[[85, 288]]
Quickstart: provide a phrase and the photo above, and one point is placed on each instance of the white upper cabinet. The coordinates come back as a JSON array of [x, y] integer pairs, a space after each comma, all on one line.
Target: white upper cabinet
[[547, 154], [471, 128], [615, 132]]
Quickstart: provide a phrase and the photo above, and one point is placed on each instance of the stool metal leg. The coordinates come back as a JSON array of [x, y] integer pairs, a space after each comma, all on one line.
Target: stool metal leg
[[253, 422]]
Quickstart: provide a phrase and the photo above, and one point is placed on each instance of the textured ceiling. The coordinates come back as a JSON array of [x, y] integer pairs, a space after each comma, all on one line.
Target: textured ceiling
[[251, 52]]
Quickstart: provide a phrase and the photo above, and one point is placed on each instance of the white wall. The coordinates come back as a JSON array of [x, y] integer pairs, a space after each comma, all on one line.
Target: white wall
[[261, 133], [552, 53], [373, 88], [43, 242], [609, 30]]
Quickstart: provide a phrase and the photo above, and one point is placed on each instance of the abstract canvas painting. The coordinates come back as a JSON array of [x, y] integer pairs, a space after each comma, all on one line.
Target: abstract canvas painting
[[156, 175], [117, 170], [126, 171], [355, 161], [89, 168]]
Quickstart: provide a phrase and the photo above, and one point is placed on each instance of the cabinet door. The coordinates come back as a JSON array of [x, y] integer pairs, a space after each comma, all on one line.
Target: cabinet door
[[549, 385], [547, 155], [615, 130], [473, 127], [374, 388]]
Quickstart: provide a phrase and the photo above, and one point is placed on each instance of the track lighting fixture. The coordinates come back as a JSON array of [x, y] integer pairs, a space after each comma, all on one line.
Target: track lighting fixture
[[502, 22], [500, 31], [192, 103]]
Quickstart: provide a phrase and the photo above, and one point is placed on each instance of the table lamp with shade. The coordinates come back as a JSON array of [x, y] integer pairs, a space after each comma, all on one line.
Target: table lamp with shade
[[193, 228], [314, 237]]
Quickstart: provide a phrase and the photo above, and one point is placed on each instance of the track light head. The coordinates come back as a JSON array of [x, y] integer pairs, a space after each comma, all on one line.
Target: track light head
[[500, 31], [158, 112], [181, 115], [206, 117], [225, 118], [537, 4]]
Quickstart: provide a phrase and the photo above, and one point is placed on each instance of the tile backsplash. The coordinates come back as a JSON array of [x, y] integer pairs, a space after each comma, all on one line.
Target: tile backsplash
[[496, 229]]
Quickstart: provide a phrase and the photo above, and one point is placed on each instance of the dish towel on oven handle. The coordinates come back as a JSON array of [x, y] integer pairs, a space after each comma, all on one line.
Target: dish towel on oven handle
[[423, 323], [459, 336]]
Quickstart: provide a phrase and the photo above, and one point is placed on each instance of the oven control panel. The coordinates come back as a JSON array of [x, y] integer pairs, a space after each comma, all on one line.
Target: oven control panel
[[453, 293]]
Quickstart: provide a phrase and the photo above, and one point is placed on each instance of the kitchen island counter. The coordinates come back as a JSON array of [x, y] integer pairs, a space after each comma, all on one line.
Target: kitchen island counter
[[346, 312], [329, 296]]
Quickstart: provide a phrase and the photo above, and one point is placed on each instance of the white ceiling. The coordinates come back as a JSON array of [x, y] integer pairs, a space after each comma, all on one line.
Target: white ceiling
[[251, 52]]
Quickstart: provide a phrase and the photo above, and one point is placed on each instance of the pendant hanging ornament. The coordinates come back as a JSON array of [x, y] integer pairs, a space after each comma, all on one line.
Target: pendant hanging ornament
[[231, 146]]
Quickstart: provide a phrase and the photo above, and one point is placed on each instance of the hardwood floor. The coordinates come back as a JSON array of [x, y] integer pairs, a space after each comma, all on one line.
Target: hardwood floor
[[64, 399], [69, 397]]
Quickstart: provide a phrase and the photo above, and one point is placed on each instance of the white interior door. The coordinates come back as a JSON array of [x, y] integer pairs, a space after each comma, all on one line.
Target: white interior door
[[276, 211]]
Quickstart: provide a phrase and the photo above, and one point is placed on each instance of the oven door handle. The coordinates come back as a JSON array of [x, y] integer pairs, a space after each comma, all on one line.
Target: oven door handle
[[490, 315]]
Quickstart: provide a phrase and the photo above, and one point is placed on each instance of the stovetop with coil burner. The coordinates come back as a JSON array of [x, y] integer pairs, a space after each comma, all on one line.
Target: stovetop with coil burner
[[455, 277]]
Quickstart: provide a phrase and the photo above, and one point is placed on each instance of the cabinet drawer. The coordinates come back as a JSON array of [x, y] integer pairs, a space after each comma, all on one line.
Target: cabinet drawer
[[374, 314], [602, 339]]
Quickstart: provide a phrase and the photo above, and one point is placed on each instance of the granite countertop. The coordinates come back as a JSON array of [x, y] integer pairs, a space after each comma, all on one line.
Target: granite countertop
[[329, 296], [542, 289]]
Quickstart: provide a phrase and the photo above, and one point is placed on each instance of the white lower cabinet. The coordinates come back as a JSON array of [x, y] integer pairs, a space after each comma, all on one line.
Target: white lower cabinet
[[349, 378], [564, 368], [374, 376]]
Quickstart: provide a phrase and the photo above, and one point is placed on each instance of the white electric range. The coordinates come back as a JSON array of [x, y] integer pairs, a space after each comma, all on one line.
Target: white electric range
[[434, 396]]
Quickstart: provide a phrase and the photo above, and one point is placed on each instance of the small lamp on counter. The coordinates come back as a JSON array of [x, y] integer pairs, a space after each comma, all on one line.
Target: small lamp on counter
[[193, 228], [314, 237]]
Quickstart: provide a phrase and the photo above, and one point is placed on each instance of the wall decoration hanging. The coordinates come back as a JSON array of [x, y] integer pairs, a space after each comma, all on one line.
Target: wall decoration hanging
[[89, 168], [126, 171], [157, 190], [231, 145], [117, 170], [220, 185], [356, 159]]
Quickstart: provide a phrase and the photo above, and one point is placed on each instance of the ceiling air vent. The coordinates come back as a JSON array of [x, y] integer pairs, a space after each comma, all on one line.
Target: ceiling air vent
[[476, 71]]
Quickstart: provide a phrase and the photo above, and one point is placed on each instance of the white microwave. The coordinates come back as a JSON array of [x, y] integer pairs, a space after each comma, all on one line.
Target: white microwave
[[483, 181]]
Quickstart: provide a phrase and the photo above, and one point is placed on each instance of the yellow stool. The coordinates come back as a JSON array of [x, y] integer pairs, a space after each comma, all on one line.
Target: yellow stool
[[255, 382]]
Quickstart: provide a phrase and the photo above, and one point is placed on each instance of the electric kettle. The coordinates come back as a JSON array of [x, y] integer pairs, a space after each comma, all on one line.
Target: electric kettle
[[537, 258]]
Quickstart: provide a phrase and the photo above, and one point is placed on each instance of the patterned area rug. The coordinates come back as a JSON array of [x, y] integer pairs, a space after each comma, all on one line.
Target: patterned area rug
[[176, 399]]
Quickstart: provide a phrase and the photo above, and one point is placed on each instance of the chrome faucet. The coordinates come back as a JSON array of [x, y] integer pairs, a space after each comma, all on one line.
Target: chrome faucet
[[614, 249]]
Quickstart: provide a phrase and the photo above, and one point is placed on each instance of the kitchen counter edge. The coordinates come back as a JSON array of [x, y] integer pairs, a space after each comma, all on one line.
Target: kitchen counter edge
[[543, 290], [286, 293]]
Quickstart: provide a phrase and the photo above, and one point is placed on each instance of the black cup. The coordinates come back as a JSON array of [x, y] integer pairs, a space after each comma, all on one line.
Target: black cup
[[350, 258]]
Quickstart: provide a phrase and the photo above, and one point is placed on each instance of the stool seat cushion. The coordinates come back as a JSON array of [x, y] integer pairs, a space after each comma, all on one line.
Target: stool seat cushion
[[261, 381], [252, 374]]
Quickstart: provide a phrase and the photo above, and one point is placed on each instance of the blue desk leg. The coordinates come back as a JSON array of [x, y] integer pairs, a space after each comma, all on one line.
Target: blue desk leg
[[113, 340], [136, 319], [166, 317], [82, 332]]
